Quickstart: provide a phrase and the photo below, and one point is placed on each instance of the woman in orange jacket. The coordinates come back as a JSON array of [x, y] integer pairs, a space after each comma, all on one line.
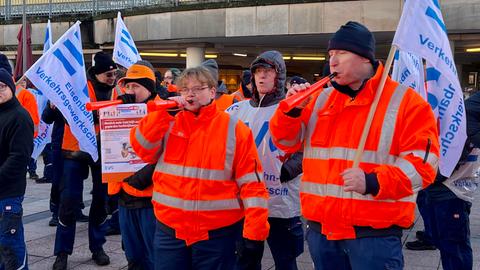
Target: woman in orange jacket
[[207, 184]]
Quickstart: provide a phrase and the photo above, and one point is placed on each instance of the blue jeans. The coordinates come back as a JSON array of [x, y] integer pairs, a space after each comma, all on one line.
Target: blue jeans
[[13, 251], [138, 229], [216, 253], [370, 253], [450, 225], [285, 241], [71, 189]]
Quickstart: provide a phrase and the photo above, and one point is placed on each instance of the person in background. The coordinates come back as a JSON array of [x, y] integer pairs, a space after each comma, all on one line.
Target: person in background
[[76, 165], [281, 171], [137, 221], [245, 89], [206, 181], [222, 98], [16, 146]]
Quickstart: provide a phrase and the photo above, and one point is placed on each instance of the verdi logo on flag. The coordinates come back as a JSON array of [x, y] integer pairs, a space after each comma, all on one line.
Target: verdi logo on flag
[[125, 52], [422, 31], [60, 73], [44, 129], [408, 71]]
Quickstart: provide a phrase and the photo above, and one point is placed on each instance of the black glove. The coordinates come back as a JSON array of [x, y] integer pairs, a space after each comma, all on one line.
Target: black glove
[[249, 254], [127, 98]]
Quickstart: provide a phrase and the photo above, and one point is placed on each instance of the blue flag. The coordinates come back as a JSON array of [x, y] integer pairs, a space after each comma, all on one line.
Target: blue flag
[[408, 71], [44, 130], [60, 73], [422, 32], [125, 52]]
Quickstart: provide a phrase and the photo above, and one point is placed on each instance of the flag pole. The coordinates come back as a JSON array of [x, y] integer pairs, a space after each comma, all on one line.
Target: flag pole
[[373, 108], [24, 38]]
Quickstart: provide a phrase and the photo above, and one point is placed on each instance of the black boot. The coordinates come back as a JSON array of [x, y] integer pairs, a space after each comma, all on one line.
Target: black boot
[[100, 258], [60, 262], [419, 245]]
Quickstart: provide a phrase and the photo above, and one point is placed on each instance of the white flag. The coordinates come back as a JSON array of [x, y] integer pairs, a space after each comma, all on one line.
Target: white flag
[[60, 73], [422, 31], [44, 130], [408, 71], [125, 52]]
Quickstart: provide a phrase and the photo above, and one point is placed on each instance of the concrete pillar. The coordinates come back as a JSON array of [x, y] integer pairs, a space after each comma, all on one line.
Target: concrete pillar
[[195, 56]]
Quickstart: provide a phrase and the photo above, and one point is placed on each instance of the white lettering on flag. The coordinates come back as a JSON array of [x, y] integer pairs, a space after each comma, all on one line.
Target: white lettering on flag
[[60, 73], [422, 31], [125, 52], [408, 71]]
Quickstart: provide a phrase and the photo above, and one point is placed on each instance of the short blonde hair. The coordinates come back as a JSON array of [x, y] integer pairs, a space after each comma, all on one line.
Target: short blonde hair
[[200, 74]]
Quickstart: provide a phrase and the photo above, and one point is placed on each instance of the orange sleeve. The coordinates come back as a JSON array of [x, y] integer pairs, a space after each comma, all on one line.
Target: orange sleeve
[[28, 102], [416, 135], [249, 176], [146, 138], [288, 132]]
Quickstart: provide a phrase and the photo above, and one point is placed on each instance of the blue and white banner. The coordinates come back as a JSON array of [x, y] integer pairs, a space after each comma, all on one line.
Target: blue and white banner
[[44, 130], [422, 31], [408, 71], [125, 52], [60, 73]]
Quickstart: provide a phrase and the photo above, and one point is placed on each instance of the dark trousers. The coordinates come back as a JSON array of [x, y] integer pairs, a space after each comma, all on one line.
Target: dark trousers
[[285, 241], [216, 253], [422, 207], [450, 229], [13, 251], [32, 166], [56, 158], [370, 253], [138, 229], [71, 189]]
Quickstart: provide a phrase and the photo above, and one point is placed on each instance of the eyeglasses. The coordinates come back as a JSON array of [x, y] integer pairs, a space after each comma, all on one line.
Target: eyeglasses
[[195, 90], [3, 87]]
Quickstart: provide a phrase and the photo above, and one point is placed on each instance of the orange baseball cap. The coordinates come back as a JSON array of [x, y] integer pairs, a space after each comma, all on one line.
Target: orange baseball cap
[[137, 71]]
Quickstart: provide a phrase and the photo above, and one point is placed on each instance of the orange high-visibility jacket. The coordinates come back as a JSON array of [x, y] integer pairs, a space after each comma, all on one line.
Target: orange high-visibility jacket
[[239, 95], [70, 143], [207, 174], [224, 101], [27, 100], [402, 149], [114, 188]]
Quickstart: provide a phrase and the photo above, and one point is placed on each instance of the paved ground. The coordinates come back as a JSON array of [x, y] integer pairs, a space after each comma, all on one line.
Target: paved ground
[[40, 238]]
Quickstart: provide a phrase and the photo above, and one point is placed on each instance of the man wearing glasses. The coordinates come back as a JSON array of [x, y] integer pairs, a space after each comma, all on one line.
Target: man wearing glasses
[[101, 80], [16, 145]]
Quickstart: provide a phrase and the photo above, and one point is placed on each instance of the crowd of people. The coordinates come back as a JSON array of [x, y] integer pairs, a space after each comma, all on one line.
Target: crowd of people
[[227, 172]]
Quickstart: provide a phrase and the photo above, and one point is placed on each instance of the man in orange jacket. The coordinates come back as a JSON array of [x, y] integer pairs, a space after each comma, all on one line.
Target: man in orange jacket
[[207, 184], [356, 215]]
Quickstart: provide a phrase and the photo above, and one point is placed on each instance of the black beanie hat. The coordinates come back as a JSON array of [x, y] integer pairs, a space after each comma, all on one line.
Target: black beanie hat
[[247, 76], [5, 64], [6, 78], [354, 37], [103, 63], [145, 82]]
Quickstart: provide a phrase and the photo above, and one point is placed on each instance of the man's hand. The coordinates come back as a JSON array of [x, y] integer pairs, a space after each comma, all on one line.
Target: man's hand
[[354, 180], [298, 88]]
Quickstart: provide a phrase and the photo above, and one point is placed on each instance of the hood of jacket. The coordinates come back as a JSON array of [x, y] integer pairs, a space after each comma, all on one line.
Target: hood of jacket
[[274, 58]]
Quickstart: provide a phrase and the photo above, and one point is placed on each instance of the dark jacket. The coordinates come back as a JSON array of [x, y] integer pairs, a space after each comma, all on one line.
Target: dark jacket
[[292, 167], [16, 146], [54, 116]]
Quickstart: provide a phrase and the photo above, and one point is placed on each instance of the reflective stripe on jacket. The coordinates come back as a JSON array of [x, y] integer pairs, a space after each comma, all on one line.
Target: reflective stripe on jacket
[[401, 149], [207, 174], [28, 102]]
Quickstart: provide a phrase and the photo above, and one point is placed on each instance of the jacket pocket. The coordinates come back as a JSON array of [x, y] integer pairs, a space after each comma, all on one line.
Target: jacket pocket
[[323, 128], [176, 147], [10, 220]]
